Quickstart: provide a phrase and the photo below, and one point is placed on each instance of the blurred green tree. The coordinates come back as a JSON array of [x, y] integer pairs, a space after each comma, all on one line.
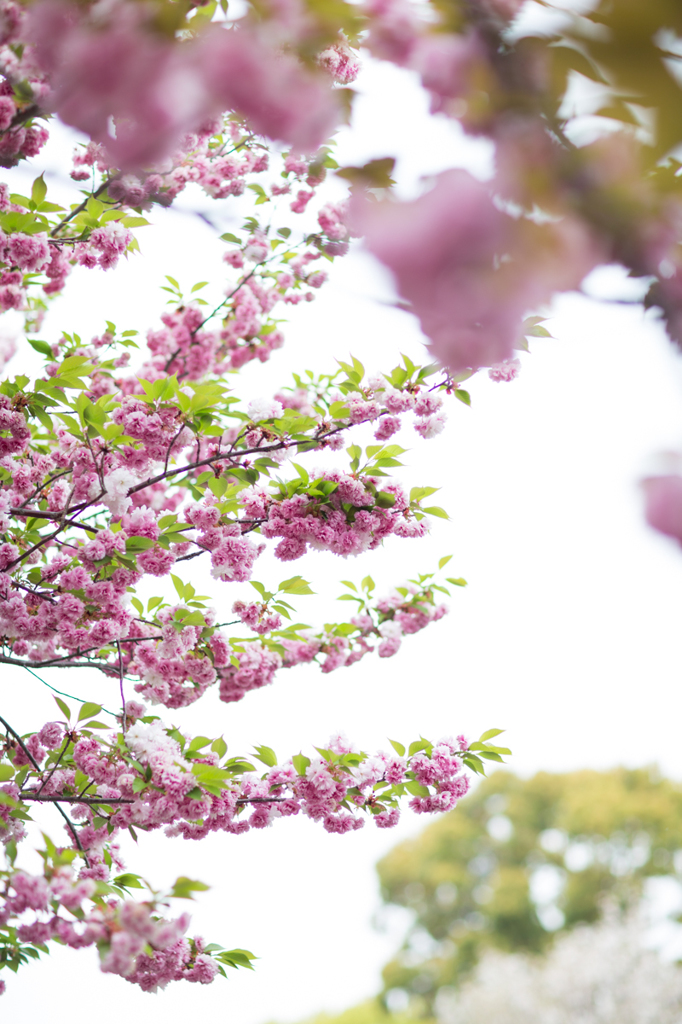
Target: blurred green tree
[[519, 861]]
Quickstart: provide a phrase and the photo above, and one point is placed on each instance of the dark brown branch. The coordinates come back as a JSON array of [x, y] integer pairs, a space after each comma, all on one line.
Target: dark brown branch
[[94, 801], [35, 764], [21, 743], [57, 662], [35, 513], [21, 116], [262, 799], [225, 457], [54, 767], [99, 801]]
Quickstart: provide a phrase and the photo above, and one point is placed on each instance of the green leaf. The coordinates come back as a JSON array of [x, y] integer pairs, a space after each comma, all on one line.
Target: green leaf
[[416, 789], [398, 747], [184, 887], [64, 708], [295, 585], [128, 881], [89, 710], [134, 544], [489, 734], [420, 744], [134, 222], [6, 772], [198, 742], [39, 190], [385, 499], [463, 396], [194, 619], [475, 763], [300, 763], [374, 174], [40, 346], [339, 411], [267, 755], [444, 561], [235, 957], [219, 747], [458, 582], [435, 510], [212, 779]]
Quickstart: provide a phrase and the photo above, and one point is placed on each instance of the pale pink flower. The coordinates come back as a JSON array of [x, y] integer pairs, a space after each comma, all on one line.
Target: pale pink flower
[[664, 504], [471, 271]]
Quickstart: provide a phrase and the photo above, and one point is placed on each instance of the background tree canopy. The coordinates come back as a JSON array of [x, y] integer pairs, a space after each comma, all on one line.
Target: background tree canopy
[[520, 861]]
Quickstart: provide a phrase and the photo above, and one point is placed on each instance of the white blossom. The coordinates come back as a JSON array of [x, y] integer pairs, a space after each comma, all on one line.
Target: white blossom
[[117, 484], [264, 409], [599, 974]]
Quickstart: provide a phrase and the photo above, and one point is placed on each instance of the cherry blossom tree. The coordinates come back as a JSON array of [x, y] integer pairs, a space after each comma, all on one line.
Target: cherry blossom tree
[[120, 462], [115, 468]]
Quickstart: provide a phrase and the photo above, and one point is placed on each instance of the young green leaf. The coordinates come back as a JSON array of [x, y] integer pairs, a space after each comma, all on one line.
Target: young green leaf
[[184, 887], [89, 710]]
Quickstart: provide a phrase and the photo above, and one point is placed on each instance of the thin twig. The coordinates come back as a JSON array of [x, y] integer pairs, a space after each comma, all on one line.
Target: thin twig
[[81, 700], [223, 457], [54, 767], [79, 209], [50, 480], [21, 743], [262, 799], [120, 684], [35, 513], [37, 768], [57, 662], [94, 801], [33, 110]]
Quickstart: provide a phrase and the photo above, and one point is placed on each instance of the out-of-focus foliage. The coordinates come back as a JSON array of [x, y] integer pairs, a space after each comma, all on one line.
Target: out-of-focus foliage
[[522, 859], [370, 1012]]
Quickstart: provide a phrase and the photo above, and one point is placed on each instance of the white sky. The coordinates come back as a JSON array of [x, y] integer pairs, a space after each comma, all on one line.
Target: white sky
[[567, 635]]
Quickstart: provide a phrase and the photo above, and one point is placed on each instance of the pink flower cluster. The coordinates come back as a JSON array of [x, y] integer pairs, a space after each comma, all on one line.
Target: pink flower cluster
[[134, 74], [104, 247], [256, 668], [347, 522], [444, 250], [331, 789], [122, 930], [25, 252], [427, 407], [395, 616], [20, 138], [256, 616], [340, 62], [663, 496]]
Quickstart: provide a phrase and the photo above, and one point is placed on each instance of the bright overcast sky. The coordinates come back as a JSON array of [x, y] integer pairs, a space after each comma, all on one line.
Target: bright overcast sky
[[567, 636]]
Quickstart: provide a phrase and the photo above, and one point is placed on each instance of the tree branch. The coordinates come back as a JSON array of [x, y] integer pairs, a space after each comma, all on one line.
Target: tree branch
[[35, 764]]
